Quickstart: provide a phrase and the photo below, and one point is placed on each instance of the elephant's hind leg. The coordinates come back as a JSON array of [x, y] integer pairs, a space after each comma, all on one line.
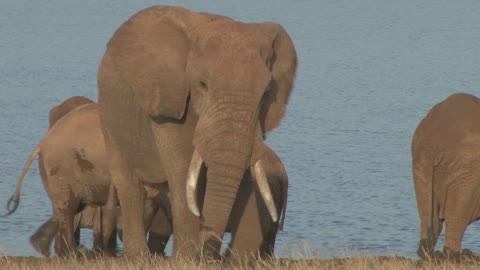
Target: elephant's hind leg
[[430, 223], [42, 238], [462, 202], [159, 233], [65, 242]]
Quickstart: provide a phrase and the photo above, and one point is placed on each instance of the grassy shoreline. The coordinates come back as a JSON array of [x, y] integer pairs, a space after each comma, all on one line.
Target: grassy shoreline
[[347, 263]]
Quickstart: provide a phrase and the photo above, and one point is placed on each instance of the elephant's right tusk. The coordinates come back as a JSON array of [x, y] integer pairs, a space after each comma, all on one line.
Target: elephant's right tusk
[[192, 181], [262, 183]]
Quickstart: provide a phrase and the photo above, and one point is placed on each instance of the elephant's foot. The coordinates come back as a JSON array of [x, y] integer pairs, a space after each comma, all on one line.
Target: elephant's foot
[[83, 250], [110, 253], [41, 243], [451, 255], [425, 250], [64, 249], [211, 244], [467, 254], [448, 255]]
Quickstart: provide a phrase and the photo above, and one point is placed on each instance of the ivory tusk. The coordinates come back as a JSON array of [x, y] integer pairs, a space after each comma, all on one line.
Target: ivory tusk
[[192, 181], [262, 182]]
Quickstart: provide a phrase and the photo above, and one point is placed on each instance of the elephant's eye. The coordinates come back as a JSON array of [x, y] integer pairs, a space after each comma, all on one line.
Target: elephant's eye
[[204, 85]]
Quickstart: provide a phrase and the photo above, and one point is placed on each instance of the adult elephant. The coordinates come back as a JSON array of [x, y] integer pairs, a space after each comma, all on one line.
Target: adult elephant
[[445, 160], [180, 90]]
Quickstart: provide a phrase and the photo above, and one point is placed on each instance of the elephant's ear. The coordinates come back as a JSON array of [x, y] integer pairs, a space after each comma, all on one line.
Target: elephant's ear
[[283, 64], [150, 52]]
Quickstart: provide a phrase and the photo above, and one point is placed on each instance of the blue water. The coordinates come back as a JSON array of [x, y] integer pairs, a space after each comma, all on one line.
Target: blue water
[[368, 72]]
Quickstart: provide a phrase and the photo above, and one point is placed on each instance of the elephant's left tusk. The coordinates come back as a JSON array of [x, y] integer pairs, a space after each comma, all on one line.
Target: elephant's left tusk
[[262, 182], [192, 181]]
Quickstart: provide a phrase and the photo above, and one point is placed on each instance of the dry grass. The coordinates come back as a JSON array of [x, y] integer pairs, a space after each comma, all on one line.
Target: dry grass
[[300, 258], [356, 262]]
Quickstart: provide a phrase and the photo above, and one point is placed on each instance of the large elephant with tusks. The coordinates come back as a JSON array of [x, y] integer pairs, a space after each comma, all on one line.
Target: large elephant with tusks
[[180, 91]]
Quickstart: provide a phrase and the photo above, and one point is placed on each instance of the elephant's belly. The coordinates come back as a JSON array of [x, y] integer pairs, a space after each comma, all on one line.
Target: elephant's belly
[[92, 191], [153, 175]]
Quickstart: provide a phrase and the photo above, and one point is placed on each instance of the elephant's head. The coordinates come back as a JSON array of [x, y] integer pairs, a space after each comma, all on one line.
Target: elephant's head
[[235, 77], [65, 107]]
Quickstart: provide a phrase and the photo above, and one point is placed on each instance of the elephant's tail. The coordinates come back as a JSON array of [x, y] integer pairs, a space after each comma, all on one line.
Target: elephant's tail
[[433, 229], [284, 205], [14, 201]]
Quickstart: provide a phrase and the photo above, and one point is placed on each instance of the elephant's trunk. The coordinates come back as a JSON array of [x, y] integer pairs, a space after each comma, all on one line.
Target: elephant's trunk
[[225, 140], [223, 181], [258, 171]]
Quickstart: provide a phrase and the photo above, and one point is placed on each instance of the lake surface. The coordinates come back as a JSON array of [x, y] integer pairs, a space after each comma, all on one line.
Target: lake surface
[[368, 72]]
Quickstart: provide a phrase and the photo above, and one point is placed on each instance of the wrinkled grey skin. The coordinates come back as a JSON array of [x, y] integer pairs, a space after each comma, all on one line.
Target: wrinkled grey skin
[[175, 84], [445, 162]]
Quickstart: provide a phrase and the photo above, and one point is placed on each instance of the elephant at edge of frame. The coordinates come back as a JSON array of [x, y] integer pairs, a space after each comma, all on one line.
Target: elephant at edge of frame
[[178, 91], [72, 164], [445, 157]]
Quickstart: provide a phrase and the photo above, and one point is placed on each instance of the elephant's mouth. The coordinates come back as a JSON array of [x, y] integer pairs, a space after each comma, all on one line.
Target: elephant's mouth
[[257, 171]]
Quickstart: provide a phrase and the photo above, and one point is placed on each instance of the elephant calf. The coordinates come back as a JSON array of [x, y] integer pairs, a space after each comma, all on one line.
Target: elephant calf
[[446, 174], [73, 169], [253, 230]]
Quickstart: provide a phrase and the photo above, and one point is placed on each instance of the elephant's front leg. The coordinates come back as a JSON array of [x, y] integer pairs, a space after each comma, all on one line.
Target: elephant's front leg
[[246, 226], [175, 148], [131, 195]]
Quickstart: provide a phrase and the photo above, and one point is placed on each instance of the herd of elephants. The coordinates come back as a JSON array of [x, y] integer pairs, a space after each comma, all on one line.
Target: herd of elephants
[[176, 146]]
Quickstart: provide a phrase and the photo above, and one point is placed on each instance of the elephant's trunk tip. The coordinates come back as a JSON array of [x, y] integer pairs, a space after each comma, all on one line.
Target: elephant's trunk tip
[[12, 205]]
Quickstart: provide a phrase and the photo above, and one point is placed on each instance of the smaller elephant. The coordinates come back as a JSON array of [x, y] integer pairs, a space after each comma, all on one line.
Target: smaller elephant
[[445, 159], [72, 164], [73, 168], [248, 212]]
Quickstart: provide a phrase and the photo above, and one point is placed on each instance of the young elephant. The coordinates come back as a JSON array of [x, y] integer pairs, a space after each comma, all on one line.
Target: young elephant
[[445, 162], [250, 228], [72, 163], [73, 168]]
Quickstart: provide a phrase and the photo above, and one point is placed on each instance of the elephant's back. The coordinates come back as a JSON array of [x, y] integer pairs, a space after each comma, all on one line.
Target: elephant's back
[[76, 140], [454, 120], [80, 126]]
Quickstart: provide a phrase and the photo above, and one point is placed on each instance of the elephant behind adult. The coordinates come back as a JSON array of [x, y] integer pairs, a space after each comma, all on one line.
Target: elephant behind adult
[[90, 217], [180, 90], [445, 161], [74, 172], [248, 211]]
